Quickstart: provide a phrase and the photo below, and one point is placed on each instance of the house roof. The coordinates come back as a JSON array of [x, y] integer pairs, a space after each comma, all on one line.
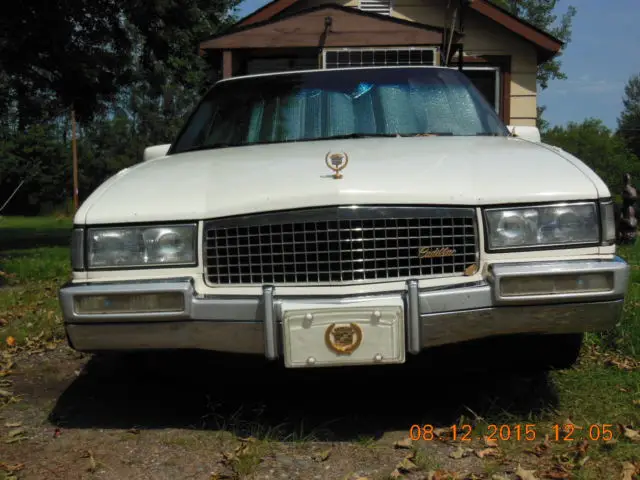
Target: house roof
[[547, 45], [307, 28]]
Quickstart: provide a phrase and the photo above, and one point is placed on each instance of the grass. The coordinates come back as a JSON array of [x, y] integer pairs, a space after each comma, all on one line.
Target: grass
[[34, 257], [33, 265]]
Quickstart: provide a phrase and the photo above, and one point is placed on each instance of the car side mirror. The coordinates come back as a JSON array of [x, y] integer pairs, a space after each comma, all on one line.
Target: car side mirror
[[156, 151], [531, 134]]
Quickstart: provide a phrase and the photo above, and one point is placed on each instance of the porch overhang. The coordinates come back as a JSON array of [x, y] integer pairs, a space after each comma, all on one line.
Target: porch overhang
[[324, 26]]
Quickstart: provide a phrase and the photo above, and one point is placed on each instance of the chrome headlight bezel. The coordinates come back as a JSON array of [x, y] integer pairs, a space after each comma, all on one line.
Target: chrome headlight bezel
[[143, 259], [599, 226]]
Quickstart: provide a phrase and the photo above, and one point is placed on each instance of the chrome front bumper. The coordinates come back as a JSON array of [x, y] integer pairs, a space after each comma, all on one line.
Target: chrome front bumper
[[434, 317]]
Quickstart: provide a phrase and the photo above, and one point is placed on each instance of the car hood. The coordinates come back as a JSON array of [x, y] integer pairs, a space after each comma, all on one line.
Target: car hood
[[420, 170]]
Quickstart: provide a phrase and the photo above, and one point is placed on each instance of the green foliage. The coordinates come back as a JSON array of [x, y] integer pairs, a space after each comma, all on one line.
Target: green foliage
[[593, 143], [540, 13], [58, 53], [40, 157], [629, 121], [131, 69]]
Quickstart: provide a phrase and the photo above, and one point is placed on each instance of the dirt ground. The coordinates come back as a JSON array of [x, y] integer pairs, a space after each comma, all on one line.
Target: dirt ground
[[193, 415]]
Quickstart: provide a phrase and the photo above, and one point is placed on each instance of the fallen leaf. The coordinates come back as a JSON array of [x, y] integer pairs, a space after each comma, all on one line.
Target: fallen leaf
[[322, 456], [444, 475], [628, 471], [632, 435], [487, 452], [490, 442], [134, 431], [404, 443], [11, 468], [13, 424], [581, 448], [15, 432], [497, 476], [5, 393], [460, 452], [18, 438], [10, 341], [441, 432], [623, 364], [406, 465], [558, 472], [541, 448], [92, 462], [523, 474], [636, 402]]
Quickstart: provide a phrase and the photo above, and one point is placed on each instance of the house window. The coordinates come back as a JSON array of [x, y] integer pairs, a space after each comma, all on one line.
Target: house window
[[487, 81], [369, 57], [383, 7]]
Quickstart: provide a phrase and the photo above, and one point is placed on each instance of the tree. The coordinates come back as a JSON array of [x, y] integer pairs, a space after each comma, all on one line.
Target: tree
[[55, 54], [629, 120], [596, 145], [540, 13]]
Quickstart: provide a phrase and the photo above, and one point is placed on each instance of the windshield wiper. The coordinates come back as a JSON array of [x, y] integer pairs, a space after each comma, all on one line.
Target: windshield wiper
[[430, 134], [353, 135]]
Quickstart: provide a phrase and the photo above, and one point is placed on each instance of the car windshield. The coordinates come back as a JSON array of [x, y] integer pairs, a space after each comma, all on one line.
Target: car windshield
[[350, 103]]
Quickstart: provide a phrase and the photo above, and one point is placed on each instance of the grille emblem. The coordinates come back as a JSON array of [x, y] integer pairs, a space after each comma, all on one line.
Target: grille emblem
[[336, 162], [343, 339], [426, 252]]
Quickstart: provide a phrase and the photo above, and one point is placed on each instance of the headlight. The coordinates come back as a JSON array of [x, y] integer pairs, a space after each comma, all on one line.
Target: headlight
[[125, 247], [549, 225]]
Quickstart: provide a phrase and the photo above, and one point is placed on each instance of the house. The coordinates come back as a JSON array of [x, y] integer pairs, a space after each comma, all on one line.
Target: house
[[499, 52]]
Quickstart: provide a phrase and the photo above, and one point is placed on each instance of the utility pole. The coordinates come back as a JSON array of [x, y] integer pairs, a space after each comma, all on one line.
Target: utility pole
[[74, 147]]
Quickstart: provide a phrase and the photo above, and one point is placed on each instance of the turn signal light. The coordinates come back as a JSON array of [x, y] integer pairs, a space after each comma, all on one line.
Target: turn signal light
[[129, 303], [556, 284]]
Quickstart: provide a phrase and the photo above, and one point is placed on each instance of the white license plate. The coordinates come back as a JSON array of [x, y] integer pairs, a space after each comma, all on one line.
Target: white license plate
[[340, 334]]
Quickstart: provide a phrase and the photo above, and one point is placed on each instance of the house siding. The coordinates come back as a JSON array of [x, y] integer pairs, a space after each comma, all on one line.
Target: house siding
[[482, 37]]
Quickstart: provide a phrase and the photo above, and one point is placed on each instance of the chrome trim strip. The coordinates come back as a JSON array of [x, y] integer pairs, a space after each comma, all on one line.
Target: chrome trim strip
[[452, 299], [231, 337], [270, 341], [77, 249], [619, 269], [413, 317], [452, 327], [340, 212]]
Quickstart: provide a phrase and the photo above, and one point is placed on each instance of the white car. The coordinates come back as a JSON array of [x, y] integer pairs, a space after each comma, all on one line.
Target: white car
[[346, 217]]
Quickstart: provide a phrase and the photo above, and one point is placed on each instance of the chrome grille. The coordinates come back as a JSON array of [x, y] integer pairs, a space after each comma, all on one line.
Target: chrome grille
[[339, 245]]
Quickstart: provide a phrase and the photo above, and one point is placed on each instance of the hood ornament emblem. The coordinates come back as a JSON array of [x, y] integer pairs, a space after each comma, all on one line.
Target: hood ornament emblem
[[336, 162]]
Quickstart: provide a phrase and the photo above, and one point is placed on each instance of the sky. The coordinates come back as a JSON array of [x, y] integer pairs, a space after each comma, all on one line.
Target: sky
[[599, 60]]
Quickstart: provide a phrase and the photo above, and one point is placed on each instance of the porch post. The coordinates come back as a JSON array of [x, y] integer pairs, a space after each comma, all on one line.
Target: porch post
[[227, 64]]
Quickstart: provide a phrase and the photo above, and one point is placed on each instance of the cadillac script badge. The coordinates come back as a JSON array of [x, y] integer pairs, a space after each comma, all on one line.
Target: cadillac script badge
[[344, 338], [426, 252], [336, 162]]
